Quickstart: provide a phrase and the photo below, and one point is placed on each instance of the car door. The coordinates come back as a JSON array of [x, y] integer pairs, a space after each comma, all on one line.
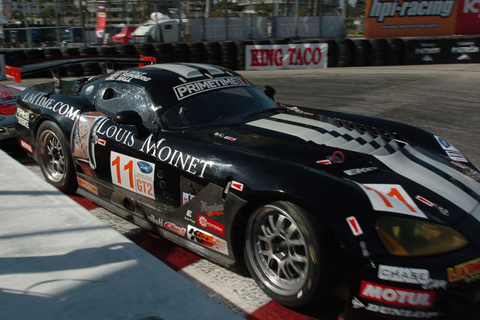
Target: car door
[[116, 159]]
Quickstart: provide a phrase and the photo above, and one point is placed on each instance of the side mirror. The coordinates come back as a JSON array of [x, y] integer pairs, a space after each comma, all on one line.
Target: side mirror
[[131, 118], [269, 92]]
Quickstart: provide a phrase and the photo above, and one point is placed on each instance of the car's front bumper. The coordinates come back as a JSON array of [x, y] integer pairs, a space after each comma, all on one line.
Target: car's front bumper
[[441, 287]]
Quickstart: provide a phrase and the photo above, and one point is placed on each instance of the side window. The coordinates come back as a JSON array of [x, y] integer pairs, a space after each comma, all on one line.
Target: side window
[[113, 97]]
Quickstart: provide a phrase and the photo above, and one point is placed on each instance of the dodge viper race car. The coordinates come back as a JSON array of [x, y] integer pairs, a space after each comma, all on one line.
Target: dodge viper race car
[[312, 201]]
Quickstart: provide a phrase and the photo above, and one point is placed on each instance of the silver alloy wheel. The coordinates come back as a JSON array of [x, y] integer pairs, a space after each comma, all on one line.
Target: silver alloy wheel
[[52, 156], [278, 251]]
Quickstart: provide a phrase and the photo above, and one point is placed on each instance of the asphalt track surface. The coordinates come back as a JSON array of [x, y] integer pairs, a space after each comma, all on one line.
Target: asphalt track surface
[[442, 99]]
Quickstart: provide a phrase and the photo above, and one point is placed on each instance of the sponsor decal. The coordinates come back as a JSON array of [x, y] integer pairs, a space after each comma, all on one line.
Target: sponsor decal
[[155, 220], [443, 143], [292, 56], [211, 210], [26, 146], [186, 90], [87, 186], [145, 167], [401, 312], [410, 275], [189, 217], [174, 157], [354, 226], [357, 304], [456, 155], [207, 240], [391, 198], [187, 197], [396, 296], [404, 275], [450, 150], [211, 225], [126, 173], [43, 101], [422, 199], [116, 133], [84, 137], [23, 117], [128, 76], [433, 205], [223, 136], [468, 271], [237, 185], [353, 172], [172, 227], [435, 284], [324, 162]]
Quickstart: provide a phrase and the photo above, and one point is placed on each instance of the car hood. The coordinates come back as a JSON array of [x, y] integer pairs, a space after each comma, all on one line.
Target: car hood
[[401, 169]]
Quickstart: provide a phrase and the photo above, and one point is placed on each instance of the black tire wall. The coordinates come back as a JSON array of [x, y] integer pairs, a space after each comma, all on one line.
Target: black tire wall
[[346, 52]]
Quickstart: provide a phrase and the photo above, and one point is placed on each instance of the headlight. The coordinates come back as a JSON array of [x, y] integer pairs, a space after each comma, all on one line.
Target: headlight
[[413, 238]]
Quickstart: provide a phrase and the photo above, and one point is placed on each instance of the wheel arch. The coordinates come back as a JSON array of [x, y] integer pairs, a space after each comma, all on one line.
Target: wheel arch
[[326, 235]]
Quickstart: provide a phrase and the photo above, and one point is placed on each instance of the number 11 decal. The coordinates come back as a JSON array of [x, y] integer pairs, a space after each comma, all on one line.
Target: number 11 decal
[[132, 174], [392, 198]]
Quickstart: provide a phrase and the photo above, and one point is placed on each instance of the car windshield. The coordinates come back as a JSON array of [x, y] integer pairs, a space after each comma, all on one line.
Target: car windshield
[[221, 107]]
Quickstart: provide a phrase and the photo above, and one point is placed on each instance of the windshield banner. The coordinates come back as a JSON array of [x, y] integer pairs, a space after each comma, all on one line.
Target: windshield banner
[[286, 56]]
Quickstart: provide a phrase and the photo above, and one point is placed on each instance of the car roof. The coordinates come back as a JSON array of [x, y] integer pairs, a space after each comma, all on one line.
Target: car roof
[[172, 73]]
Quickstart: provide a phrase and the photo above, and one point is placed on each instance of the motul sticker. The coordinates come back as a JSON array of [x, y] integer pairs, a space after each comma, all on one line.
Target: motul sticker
[[391, 198], [354, 226], [397, 296]]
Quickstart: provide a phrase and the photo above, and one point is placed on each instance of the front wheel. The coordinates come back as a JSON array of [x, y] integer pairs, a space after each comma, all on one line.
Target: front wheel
[[55, 159], [283, 253]]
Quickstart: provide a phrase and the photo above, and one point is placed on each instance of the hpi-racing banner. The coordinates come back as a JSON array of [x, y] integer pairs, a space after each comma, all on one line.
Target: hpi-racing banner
[[410, 18]]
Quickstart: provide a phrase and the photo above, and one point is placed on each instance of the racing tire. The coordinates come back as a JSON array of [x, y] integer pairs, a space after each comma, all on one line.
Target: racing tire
[[283, 253], [55, 159]]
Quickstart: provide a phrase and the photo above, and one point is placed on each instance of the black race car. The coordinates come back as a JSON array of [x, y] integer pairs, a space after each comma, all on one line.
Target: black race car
[[383, 214]]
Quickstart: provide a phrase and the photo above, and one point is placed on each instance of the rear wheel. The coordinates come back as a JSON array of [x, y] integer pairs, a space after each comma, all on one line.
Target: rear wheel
[[55, 158], [283, 254]]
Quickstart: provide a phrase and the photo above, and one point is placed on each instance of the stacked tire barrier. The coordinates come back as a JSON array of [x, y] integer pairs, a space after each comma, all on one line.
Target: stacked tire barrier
[[231, 54]]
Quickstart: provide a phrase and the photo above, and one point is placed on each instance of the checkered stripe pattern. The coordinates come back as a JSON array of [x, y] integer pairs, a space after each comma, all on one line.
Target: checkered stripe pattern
[[328, 134]]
